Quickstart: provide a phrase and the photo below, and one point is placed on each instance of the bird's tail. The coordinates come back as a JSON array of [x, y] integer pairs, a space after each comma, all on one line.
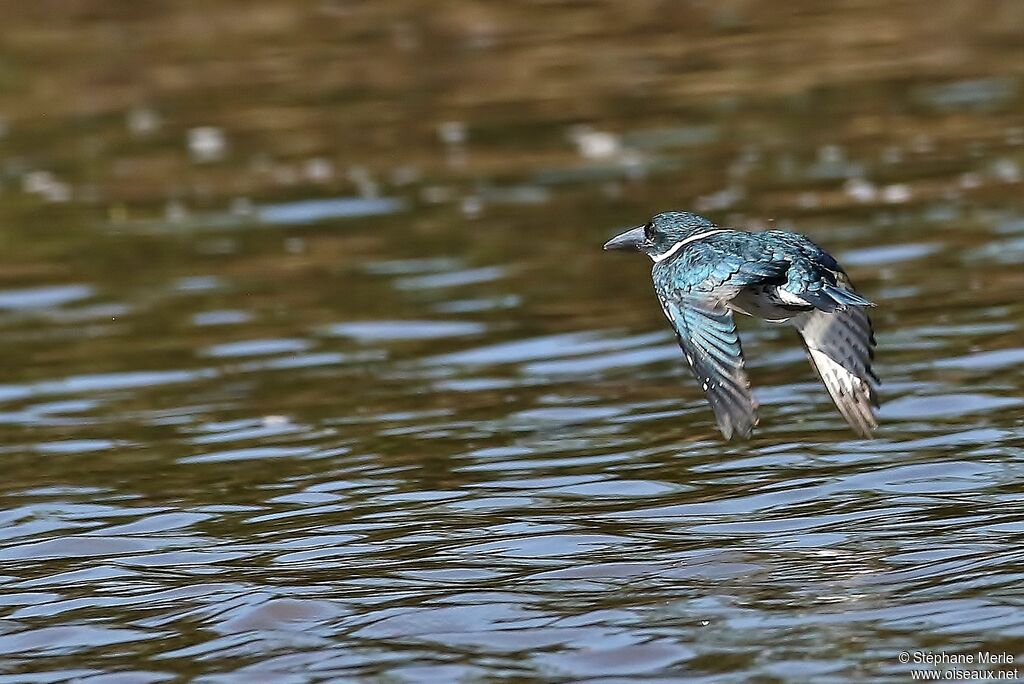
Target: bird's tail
[[846, 297], [831, 298]]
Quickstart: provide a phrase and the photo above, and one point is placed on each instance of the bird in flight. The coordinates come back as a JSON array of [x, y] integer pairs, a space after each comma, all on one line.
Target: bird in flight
[[703, 273]]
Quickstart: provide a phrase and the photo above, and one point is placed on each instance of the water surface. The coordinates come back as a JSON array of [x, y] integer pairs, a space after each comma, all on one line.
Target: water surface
[[347, 390]]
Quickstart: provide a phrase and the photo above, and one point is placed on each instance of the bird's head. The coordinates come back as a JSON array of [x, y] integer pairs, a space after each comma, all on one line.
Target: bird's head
[[661, 234]]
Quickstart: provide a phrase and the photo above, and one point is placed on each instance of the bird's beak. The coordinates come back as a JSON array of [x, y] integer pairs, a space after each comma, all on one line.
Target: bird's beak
[[631, 239]]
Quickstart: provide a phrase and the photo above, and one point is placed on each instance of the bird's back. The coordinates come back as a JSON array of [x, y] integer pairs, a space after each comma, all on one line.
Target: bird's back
[[730, 260]]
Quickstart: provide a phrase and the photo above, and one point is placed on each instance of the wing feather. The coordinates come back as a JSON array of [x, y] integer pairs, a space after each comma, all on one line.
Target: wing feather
[[707, 334], [841, 348]]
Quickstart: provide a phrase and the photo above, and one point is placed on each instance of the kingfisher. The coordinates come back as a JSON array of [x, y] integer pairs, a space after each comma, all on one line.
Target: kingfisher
[[704, 273]]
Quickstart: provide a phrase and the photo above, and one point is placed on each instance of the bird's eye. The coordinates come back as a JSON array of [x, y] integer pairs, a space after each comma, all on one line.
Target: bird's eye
[[647, 232]]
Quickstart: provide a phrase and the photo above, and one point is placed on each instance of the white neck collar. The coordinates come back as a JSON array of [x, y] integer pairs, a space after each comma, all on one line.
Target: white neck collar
[[657, 258]]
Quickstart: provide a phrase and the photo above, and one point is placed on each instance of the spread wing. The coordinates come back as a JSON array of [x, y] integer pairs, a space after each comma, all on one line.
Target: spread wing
[[707, 335], [837, 332], [841, 346]]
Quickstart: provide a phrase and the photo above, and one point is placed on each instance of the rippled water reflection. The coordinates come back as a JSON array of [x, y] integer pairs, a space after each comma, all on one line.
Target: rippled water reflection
[[435, 434]]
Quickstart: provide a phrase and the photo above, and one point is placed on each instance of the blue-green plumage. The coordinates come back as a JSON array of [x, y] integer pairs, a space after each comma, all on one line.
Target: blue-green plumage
[[703, 273]]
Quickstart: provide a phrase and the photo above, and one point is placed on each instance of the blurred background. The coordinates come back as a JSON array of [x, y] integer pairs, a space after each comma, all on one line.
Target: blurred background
[[314, 367]]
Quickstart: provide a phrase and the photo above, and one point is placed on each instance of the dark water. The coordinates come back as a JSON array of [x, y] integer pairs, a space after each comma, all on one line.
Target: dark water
[[348, 391]]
